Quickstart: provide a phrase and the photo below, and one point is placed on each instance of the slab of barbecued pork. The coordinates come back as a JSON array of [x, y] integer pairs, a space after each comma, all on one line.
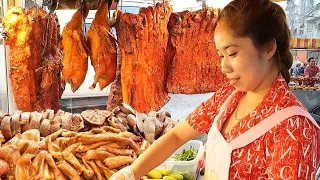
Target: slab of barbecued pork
[[194, 62], [143, 41], [52, 85], [103, 52], [35, 58], [75, 50], [37, 22], [18, 36]]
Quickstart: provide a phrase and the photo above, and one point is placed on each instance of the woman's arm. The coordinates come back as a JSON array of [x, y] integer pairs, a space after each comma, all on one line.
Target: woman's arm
[[163, 148], [198, 122]]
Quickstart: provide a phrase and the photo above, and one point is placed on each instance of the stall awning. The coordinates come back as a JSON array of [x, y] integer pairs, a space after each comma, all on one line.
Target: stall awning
[[305, 43]]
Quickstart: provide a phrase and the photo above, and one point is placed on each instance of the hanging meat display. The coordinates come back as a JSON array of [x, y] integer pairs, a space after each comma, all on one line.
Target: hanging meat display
[[75, 49], [35, 58], [194, 62], [155, 54], [102, 45], [143, 39]]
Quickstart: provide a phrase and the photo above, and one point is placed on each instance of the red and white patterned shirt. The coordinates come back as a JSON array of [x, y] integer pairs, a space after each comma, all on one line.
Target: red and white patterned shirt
[[288, 151]]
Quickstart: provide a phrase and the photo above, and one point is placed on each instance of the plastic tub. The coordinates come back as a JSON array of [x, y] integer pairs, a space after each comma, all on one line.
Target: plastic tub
[[188, 168]]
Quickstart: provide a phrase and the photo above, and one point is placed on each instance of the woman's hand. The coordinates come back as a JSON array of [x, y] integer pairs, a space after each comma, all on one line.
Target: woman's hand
[[124, 174], [158, 152]]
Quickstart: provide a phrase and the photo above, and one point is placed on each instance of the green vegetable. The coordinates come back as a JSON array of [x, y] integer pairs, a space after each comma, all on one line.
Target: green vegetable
[[177, 176], [168, 178], [164, 172], [187, 175], [186, 155]]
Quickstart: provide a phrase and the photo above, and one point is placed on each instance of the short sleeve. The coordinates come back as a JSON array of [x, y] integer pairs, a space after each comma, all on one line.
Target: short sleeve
[[201, 119], [291, 150]]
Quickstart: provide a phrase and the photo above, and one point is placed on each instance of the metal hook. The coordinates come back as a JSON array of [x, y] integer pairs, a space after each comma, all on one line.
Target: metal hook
[[83, 7], [116, 11], [54, 6], [110, 2], [35, 3], [164, 7], [109, 13]]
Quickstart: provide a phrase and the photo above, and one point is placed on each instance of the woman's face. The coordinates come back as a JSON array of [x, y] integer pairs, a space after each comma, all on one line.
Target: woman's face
[[244, 65]]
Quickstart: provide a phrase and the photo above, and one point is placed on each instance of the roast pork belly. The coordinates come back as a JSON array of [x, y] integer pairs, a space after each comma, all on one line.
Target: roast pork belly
[[194, 62], [143, 39], [35, 58]]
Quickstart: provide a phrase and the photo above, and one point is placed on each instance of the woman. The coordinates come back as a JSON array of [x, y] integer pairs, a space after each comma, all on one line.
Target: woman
[[252, 40]]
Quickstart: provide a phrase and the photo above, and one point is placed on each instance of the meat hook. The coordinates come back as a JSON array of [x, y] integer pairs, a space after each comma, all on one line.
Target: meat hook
[[110, 2], [53, 6], [164, 7]]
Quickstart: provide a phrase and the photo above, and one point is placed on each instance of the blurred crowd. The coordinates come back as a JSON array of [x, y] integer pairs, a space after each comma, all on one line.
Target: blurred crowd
[[309, 69]]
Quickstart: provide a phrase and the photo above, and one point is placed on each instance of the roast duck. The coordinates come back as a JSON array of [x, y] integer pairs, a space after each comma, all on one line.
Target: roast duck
[[103, 50], [75, 49]]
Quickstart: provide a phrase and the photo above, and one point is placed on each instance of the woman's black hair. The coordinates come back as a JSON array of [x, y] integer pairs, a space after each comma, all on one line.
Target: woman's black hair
[[263, 21]]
